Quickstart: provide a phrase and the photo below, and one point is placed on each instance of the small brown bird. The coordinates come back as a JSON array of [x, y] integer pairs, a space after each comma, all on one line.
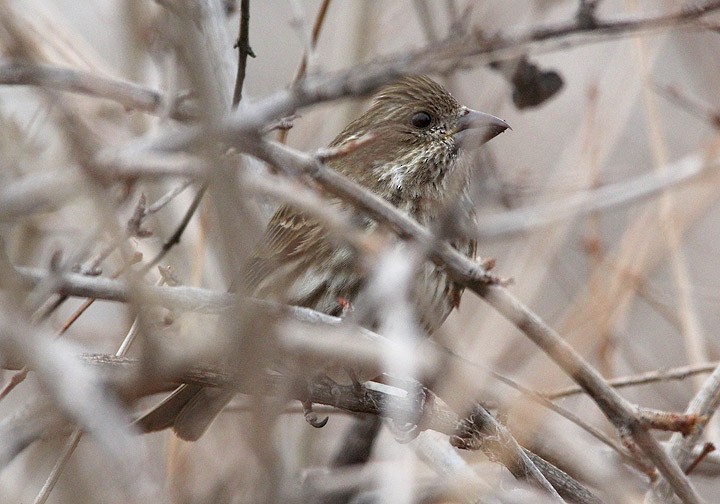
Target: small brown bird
[[419, 161]]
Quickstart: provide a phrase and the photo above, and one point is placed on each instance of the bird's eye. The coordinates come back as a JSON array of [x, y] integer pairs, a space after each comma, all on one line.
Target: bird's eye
[[421, 119]]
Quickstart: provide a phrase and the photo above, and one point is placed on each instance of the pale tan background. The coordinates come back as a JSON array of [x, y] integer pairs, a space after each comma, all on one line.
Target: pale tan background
[[608, 124]]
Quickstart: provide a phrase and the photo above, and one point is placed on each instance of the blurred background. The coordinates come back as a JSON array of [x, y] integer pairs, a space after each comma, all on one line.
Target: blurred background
[[633, 286]]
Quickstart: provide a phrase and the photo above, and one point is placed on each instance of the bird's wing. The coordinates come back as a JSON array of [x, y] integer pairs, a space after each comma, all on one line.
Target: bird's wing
[[289, 235]]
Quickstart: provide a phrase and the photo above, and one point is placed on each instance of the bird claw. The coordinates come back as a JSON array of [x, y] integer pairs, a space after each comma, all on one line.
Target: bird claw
[[311, 417], [405, 433]]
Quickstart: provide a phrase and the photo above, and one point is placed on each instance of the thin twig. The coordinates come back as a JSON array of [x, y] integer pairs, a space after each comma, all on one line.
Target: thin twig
[[177, 234], [593, 431], [675, 175], [618, 410], [77, 433], [166, 198], [389, 403], [697, 109], [705, 403], [706, 449], [314, 37], [244, 50], [678, 373], [302, 67], [59, 466]]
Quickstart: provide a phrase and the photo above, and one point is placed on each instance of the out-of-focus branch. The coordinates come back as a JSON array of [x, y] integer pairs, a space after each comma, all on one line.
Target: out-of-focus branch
[[356, 81], [388, 402], [186, 298], [36, 193], [204, 53], [464, 271], [75, 389], [302, 67], [679, 373], [206, 301], [129, 95], [617, 409], [314, 36], [174, 239], [150, 166], [181, 297], [681, 172], [48, 191], [362, 80]]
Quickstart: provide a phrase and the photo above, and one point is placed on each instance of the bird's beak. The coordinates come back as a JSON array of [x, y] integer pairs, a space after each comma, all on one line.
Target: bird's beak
[[475, 128]]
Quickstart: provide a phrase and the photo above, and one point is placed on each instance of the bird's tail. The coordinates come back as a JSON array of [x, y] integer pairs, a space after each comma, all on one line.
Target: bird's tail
[[189, 410]]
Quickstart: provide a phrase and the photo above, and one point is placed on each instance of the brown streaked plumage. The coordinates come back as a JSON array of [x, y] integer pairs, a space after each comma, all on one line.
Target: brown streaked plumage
[[416, 162]]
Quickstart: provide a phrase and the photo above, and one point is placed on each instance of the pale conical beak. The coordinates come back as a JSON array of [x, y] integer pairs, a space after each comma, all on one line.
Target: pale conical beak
[[475, 128]]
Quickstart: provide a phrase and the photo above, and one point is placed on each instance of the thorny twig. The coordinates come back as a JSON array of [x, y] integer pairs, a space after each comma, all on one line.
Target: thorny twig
[[244, 50], [285, 123], [616, 409], [434, 413]]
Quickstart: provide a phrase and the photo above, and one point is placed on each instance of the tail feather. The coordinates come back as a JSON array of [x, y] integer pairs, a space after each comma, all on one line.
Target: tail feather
[[189, 410]]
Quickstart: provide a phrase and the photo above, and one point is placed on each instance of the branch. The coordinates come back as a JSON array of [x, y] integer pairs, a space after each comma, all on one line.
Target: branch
[[684, 171], [357, 81], [480, 430], [362, 80], [307, 53], [205, 301], [679, 373], [181, 297], [617, 409], [174, 239], [388, 402], [244, 50], [705, 403], [42, 192], [129, 95], [468, 273]]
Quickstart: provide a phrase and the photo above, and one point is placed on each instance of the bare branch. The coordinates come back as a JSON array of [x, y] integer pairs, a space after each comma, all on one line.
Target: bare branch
[[679, 373], [244, 50], [129, 95], [681, 172]]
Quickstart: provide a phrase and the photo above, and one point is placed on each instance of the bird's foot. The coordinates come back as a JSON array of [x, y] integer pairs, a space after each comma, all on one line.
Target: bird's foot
[[345, 306], [356, 383], [311, 417], [488, 264]]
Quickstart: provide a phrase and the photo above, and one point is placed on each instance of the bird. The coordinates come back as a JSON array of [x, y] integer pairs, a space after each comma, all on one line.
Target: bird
[[420, 160]]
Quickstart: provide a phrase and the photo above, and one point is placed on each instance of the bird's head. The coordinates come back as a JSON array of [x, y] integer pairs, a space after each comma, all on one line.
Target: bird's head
[[419, 130]]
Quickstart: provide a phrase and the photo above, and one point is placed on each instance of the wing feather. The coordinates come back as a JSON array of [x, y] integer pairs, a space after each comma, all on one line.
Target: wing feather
[[290, 235]]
